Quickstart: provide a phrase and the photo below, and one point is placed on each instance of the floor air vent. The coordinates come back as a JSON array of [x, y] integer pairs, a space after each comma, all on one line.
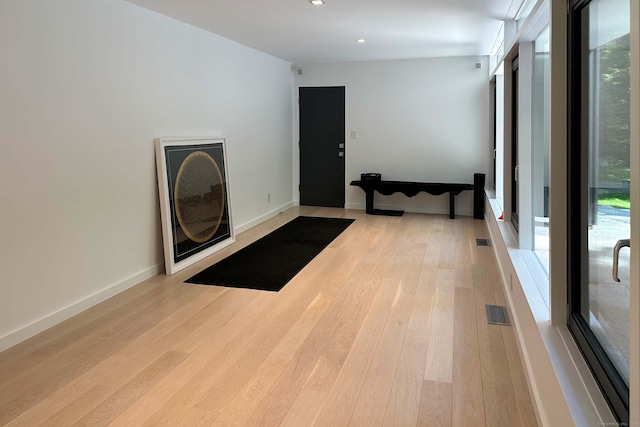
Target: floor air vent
[[483, 242], [497, 315]]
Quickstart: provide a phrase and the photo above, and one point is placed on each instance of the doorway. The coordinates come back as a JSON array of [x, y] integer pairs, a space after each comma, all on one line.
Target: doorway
[[322, 146]]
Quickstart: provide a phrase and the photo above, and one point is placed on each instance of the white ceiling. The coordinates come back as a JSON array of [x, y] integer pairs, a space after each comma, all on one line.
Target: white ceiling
[[296, 31]]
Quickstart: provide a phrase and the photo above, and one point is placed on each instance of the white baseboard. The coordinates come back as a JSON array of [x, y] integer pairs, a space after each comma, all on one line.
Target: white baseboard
[[25, 332], [259, 220], [411, 209]]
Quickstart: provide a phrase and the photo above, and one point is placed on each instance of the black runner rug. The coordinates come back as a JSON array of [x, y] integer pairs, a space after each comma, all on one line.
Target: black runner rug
[[271, 262]]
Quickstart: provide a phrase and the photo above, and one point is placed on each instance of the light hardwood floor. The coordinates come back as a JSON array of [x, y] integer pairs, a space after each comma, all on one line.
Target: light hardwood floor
[[386, 326]]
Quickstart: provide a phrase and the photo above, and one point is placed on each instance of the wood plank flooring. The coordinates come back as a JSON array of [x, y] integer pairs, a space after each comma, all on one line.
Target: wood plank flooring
[[386, 327]]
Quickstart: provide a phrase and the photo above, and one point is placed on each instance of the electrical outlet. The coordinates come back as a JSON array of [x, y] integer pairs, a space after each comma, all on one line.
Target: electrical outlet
[[268, 197]]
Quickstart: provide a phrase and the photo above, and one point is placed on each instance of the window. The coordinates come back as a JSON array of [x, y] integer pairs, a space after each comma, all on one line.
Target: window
[[524, 12], [540, 111], [497, 147], [599, 193], [515, 190], [494, 113]]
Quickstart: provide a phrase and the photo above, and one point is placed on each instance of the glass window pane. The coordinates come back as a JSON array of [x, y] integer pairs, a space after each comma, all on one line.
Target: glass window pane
[[524, 12], [609, 173], [540, 146]]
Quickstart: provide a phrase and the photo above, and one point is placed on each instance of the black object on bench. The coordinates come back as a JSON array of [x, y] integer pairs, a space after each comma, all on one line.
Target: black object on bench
[[410, 189]]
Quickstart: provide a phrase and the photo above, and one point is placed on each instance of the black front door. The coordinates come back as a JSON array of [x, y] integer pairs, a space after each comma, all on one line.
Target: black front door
[[322, 149]]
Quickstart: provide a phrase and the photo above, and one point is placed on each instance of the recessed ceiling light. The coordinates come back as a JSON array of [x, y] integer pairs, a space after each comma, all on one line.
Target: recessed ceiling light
[[316, 2], [360, 40]]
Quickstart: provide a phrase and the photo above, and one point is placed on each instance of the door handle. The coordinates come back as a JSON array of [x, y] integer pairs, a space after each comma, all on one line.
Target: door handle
[[616, 254]]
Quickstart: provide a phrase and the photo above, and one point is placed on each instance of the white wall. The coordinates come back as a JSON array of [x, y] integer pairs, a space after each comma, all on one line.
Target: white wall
[[85, 86], [415, 120]]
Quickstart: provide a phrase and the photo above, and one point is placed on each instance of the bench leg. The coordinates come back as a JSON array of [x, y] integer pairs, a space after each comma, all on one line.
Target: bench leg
[[369, 201], [478, 195], [452, 205]]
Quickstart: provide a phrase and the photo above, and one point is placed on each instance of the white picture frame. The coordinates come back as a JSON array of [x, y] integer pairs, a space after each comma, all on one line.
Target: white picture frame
[[195, 201]]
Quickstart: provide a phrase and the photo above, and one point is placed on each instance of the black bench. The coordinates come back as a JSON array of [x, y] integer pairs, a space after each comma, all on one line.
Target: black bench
[[410, 189]]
